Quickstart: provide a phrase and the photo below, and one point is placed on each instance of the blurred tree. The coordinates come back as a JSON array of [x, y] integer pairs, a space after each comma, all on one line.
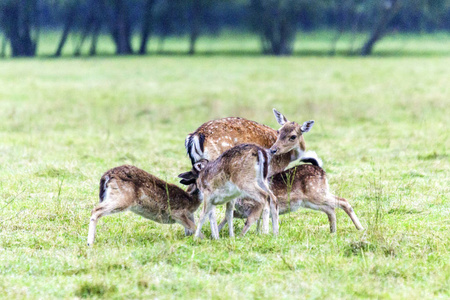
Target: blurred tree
[[121, 26], [276, 22], [195, 20], [3, 47], [169, 19], [387, 10], [18, 21], [342, 13], [146, 25], [68, 11], [92, 20], [398, 14], [422, 15], [197, 13]]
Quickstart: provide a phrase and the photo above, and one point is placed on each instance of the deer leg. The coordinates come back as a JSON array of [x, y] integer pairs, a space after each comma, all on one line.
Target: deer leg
[[224, 221], [191, 232], [229, 217], [265, 218], [264, 194], [92, 227], [254, 216], [192, 221], [342, 203], [103, 209], [187, 220], [207, 206], [258, 225], [274, 211], [213, 223], [331, 217]]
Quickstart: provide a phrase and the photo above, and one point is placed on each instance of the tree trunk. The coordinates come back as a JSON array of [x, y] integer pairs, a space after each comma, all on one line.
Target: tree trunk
[[390, 10], [121, 28], [95, 33], [84, 35], [281, 37], [276, 24], [70, 18], [146, 26], [97, 9], [341, 10], [3, 48], [195, 25], [17, 17]]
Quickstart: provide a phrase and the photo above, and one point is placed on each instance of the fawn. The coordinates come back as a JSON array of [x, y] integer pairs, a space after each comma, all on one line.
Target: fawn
[[130, 188], [301, 186], [239, 172]]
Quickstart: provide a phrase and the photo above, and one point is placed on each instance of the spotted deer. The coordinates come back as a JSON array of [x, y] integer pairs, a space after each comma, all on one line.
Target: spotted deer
[[301, 186], [130, 188], [238, 172], [213, 138]]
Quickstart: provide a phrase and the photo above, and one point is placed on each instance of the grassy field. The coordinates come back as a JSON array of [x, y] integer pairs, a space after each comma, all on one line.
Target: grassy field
[[382, 129]]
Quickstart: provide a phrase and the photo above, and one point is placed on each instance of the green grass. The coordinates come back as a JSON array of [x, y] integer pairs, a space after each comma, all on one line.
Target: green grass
[[382, 129]]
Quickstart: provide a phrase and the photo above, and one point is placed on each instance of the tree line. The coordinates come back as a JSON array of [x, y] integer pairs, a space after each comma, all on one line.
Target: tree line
[[276, 22]]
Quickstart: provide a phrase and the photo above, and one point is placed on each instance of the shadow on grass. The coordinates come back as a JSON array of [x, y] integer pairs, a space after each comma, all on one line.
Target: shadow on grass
[[91, 289]]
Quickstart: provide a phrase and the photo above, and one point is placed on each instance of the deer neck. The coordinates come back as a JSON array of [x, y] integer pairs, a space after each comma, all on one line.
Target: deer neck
[[296, 154], [279, 162], [194, 194]]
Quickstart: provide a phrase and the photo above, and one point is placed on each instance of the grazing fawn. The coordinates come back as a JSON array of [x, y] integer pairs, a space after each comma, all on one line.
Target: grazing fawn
[[130, 188], [239, 172], [215, 137], [301, 186]]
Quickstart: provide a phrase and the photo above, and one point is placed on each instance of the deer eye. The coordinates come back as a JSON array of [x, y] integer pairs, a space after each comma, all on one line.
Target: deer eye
[[278, 132], [292, 137]]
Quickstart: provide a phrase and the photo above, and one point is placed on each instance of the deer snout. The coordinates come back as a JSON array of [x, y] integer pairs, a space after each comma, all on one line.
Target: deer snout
[[273, 150]]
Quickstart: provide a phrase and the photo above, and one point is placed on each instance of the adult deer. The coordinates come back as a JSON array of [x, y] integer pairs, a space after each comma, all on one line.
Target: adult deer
[[213, 138], [130, 188], [239, 172], [302, 186]]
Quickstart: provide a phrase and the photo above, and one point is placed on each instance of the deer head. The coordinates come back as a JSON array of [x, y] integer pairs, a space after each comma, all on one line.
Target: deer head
[[290, 136]]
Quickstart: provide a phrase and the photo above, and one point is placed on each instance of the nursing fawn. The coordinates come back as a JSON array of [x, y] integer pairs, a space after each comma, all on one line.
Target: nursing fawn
[[239, 172]]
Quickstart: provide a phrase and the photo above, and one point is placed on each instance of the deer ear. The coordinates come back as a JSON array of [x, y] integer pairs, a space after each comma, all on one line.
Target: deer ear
[[187, 178], [187, 182], [187, 175], [307, 126], [280, 118], [198, 166]]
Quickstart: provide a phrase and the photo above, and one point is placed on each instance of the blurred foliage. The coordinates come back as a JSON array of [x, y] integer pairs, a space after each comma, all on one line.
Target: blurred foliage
[[275, 21]]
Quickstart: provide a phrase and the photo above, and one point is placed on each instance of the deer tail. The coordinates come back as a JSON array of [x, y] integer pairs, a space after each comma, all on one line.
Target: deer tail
[[194, 145], [103, 186], [311, 157]]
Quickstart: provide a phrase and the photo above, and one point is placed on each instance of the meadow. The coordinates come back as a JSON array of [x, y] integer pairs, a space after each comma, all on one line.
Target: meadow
[[382, 130]]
